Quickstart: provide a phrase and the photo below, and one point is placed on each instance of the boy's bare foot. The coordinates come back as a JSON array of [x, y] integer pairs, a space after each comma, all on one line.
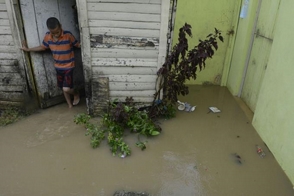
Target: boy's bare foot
[[76, 99]]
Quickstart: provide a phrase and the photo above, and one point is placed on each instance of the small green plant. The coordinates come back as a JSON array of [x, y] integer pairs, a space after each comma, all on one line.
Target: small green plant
[[10, 115], [121, 117], [117, 144], [140, 144], [97, 134]]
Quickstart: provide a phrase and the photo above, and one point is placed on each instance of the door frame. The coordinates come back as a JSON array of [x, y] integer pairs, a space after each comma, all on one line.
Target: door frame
[[44, 76], [250, 49], [231, 44]]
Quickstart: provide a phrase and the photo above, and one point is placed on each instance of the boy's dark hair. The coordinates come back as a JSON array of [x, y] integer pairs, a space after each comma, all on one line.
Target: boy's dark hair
[[52, 23]]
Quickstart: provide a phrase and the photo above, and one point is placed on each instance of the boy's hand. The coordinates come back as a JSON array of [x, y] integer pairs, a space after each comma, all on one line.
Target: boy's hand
[[24, 46]]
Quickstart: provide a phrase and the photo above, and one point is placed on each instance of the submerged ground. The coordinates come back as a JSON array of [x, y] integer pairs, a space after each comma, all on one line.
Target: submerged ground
[[198, 153]]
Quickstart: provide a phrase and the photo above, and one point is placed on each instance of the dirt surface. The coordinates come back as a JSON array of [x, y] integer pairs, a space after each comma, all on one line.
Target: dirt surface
[[198, 153]]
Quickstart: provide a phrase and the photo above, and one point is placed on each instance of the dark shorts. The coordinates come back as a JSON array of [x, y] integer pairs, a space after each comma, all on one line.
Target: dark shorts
[[64, 78]]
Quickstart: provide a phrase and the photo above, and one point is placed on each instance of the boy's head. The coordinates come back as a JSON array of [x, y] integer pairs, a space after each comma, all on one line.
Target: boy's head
[[54, 27]]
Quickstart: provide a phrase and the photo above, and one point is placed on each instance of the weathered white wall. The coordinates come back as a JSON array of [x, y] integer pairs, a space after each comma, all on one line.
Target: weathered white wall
[[12, 82], [127, 45]]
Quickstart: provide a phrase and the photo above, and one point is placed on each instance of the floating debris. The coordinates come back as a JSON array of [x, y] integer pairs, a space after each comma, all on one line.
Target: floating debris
[[124, 193], [123, 155], [214, 109], [186, 106], [260, 152], [237, 158]]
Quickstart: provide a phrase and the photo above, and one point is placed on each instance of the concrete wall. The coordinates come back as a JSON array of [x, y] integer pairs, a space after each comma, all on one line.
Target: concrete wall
[[273, 118], [204, 16], [274, 113]]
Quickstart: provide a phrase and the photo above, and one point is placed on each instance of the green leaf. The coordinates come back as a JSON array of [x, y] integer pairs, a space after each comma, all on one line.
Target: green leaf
[[221, 38], [155, 133]]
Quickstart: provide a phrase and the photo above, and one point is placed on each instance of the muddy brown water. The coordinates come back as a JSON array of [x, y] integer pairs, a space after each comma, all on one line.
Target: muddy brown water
[[46, 154]]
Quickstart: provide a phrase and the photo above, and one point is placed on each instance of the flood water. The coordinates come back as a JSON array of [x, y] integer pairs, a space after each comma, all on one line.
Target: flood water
[[46, 154]]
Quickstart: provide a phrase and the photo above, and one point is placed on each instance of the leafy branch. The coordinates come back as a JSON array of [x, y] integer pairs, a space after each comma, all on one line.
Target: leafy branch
[[181, 65]]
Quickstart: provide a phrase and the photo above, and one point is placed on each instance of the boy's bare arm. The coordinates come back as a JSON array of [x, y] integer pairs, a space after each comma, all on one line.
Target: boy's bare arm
[[34, 49]]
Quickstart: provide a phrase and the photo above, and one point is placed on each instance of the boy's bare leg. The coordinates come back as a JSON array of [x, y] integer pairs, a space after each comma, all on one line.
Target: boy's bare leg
[[67, 93], [67, 98]]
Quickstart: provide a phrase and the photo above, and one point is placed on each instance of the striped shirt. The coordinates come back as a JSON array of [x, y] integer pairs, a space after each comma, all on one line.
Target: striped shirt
[[62, 49]]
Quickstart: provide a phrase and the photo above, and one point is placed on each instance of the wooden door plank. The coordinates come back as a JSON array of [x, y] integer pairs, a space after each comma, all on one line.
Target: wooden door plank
[[5, 30], [3, 15], [124, 71], [6, 40], [165, 7], [131, 78], [33, 39], [12, 96], [9, 69], [124, 16], [7, 48], [144, 100], [12, 88], [133, 62], [85, 42], [7, 55], [126, 53], [124, 24], [144, 33], [127, 1], [127, 86], [5, 104], [3, 7], [139, 93], [8, 62], [11, 79], [124, 7], [66, 14], [4, 22]]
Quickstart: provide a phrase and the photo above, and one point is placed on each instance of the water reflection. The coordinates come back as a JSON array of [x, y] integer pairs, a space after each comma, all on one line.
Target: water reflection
[[180, 176]]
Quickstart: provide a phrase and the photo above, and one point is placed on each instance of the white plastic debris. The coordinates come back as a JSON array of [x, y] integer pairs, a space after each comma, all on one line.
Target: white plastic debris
[[214, 109], [123, 155], [181, 106], [186, 106]]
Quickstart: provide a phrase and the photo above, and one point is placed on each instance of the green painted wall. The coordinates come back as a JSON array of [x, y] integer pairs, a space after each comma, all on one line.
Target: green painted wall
[[204, 16], [273, 118], [274, 113], [242, 43]]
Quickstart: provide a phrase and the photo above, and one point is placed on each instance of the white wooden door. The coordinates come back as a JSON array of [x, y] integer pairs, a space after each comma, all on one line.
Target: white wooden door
[[35, 13], [261, 48]]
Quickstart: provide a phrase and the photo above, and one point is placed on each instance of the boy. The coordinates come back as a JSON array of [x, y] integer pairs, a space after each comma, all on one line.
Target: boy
[[61, 44]]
